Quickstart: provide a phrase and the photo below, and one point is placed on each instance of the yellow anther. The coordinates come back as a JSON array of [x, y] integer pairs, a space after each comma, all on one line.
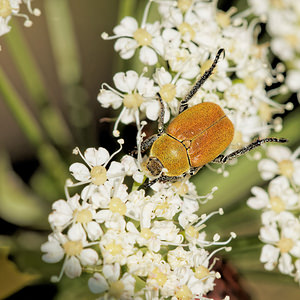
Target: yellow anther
[[98, 175], [143, 37], [73, 248], [116, 205], [133, 100]]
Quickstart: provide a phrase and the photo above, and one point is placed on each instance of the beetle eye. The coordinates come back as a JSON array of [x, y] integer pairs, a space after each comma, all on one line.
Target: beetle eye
[[154, 166]]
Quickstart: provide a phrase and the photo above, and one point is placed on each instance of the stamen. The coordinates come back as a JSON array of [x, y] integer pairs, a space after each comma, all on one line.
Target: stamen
[[120, 142], [77, 151], [205, 217], [105, 85], [116, 132], [146, 12]]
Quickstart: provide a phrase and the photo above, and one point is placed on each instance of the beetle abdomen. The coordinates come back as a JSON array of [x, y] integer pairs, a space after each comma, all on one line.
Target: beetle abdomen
[[210, 143], [206, 129]]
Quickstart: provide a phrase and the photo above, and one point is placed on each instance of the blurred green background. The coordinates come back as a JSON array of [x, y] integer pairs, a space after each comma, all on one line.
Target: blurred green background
[[50, 76]]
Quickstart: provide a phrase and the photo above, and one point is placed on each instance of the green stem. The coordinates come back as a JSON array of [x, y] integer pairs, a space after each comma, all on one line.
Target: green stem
[[50, 116], [48, 155]]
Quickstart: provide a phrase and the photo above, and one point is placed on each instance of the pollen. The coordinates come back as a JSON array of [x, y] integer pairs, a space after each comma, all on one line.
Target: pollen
[[143, 37], [83, 216], [160, 277], [184, 293], [285, 245], [146, 233], [286, 168], [73, 248], [201, 272], [251, 82], [133, 100], [116, 205], [187, 28], [168, 92], [184, 5], [265, 112], [224, 18], [98, 175], [277, 204], [116, 289], [164, 206], [5, 8], [192, 232], [113, 248]]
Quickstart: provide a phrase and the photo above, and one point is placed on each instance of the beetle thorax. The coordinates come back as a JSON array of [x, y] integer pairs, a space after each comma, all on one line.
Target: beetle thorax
[[154, 166]]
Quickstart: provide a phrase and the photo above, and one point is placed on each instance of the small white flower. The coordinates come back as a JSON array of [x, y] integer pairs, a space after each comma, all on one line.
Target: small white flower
[[74, 248], [281, 161], [116, 247], [72, 211], [111, 282], [283, 243], [280, 196], [131, 37]]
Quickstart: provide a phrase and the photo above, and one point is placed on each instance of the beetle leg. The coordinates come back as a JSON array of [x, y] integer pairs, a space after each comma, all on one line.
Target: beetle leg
[[161, 116], [221, 159], [162, 178], [147, 143], [200, 82], [193, 170]]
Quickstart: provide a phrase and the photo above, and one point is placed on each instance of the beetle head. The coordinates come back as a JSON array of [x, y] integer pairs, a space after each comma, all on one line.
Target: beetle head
[[154, 165]]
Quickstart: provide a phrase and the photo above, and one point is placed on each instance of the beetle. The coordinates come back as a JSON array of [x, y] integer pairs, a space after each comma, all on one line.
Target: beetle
[[196, 136]]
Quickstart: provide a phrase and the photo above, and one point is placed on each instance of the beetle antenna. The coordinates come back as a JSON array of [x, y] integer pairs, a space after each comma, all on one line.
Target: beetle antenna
[[200, 82], [161, 116]]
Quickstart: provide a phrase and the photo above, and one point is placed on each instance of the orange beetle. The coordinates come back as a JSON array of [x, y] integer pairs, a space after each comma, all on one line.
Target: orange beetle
[[197, 136]]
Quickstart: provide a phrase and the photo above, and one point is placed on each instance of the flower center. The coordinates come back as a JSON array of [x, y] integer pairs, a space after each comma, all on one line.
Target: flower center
[[113, 248], [5, 8], [192, 232], [133, 100], [251, 82], [143, 37], [160, 277], [184, 293], [116, 289], [277, 204], [265, 112], [187, 28], [285, 245], [98, 175], [224, 18], [146, 233], [184, 5], [277, 4], [83, 216], [286, 168], [116, 205], [201, 272], [73, 248], [168, 92], [164, 206]]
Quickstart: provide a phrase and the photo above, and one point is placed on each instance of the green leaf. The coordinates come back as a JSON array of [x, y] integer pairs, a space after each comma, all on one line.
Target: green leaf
[[11, 279], [17, 204]]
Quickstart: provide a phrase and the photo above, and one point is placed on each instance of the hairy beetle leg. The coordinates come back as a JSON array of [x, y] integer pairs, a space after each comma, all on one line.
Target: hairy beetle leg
[[221, 159]]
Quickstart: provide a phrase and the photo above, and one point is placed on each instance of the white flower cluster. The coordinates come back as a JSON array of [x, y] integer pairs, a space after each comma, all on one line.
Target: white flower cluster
[[9, 8], [136, 246], [182, 45], [282, 19], [280, 204]]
